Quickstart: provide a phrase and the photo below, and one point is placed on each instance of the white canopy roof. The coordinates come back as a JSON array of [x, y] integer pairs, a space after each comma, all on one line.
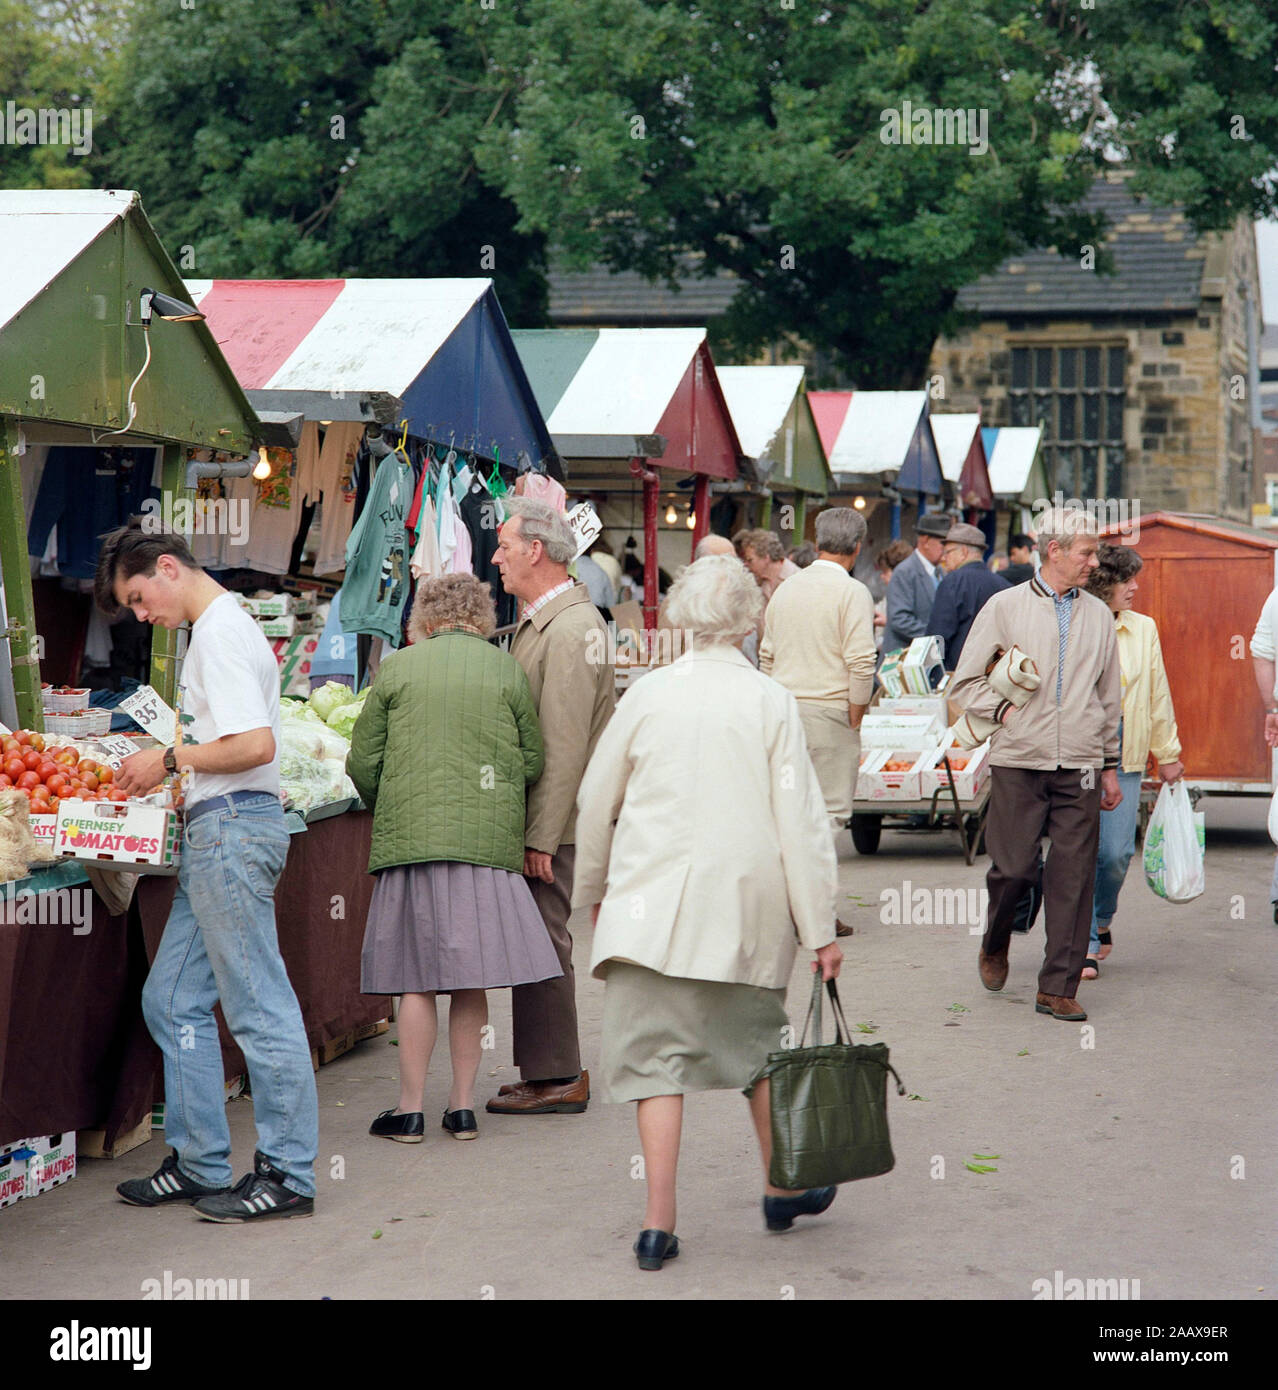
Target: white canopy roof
[[953, 435]]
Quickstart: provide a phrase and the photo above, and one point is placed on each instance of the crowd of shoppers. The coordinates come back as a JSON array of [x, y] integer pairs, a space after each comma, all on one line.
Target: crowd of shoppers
[[697, 823]]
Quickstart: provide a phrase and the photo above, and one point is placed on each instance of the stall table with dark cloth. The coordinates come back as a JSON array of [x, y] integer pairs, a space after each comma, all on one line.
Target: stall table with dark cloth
[[74, 1049]]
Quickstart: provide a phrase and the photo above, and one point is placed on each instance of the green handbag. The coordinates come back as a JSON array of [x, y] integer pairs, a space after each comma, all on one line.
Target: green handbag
[[829, 1106]]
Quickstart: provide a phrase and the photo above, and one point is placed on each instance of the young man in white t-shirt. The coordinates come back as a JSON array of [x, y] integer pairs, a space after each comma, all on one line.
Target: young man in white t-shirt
[[219, 941]]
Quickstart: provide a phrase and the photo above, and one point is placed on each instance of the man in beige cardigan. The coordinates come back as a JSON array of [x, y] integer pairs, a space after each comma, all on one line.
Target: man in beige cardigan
[[1053, 759], [818, 642], [560, 642]]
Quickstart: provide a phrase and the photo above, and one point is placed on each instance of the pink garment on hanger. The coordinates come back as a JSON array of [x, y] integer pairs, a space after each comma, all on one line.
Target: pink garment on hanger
[[542, 487], [462, 555]]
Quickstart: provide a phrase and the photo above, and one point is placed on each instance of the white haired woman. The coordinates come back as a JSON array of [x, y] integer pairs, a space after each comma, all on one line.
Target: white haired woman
[[442, 753], [703, 849]]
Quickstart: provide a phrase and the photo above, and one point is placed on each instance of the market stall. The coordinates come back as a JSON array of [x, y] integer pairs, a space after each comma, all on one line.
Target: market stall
[[640, 420], [1204, 581], [961, 450], [773, 420], [881, 450], [421, 374], [113, 391], [1017, 475]]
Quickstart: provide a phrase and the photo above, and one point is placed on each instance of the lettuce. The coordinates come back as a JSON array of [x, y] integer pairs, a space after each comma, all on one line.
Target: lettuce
[[342, 720], [330, 696]]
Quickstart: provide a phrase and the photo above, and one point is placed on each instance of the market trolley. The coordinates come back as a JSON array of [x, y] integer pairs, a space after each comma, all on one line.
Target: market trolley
[[968, 814]]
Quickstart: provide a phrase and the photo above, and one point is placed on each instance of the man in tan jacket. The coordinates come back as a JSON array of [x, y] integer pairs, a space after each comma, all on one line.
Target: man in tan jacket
[[1053, 759], [561, 642], [818, 642]]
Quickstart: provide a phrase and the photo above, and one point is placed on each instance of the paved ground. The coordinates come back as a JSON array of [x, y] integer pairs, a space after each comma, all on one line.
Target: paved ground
[[1115, 1160]]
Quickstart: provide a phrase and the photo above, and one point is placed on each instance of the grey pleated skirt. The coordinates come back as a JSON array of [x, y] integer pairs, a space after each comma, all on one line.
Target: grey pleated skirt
[[445, 926], [664, 1036]]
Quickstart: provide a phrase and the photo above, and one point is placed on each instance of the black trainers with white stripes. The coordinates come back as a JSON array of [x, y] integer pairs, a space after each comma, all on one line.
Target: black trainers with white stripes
[[258, 1196], [167, 1184]]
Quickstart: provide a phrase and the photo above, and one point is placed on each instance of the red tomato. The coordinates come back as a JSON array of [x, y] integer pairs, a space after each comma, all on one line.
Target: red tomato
[[14, 767], [54, 803], [31, 760], [27, 781], [5, 781], [106, 773], [90, 782], [48, 768], [57, 784], [84, 765], [23, 738], [67, 757], [9, 744], [37, 742]]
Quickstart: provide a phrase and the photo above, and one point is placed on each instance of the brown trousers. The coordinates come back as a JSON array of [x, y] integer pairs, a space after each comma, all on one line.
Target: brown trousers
[[544, 1015], [1024, 806]]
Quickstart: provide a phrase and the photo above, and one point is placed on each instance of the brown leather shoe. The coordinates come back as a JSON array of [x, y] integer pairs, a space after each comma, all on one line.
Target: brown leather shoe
[[841, 928], [543, 1098], [1060, 1007], [993, 969]]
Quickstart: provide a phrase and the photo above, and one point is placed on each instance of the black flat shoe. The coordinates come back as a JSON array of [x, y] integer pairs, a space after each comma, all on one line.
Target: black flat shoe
[[404, 1129], [461, 1124], [779, 1212], [654, 1248]]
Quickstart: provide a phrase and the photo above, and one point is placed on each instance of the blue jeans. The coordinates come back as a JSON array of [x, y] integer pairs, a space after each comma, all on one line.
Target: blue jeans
[[219, 943], [1117, 845]]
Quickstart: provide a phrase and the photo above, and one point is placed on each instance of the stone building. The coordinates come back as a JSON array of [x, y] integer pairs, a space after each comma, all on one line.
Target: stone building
[[1145, 381]]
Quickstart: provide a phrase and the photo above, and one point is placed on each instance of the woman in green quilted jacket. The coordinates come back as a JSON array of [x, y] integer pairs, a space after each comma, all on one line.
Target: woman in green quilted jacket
[[442, 753]]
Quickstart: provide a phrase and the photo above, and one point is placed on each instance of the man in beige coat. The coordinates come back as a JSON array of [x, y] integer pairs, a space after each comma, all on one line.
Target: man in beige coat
[[561, 642], [818, 642]]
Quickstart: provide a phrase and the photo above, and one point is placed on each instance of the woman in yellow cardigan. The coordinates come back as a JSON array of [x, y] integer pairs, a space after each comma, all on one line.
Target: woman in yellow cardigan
[[1148, 725]]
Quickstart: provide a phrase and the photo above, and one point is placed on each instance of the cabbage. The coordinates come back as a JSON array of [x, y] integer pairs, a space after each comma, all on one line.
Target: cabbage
[[342, 720], [298, 712], [330, 696]]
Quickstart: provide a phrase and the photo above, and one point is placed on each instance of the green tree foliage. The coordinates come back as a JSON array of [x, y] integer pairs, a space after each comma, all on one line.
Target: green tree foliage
[[748, 134], [310, 138]]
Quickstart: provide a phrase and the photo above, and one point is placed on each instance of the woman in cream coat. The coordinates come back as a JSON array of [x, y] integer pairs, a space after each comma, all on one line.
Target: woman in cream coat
[[705, 852], [1148, 726]]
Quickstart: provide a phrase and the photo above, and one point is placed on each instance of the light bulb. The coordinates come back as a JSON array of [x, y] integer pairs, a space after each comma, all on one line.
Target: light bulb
[[263, 469], [859, 503], [671, 515], [692, 520]]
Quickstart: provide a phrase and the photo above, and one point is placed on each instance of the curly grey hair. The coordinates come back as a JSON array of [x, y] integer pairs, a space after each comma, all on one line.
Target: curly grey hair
[[715, 600], [541, 522], [452, 599]]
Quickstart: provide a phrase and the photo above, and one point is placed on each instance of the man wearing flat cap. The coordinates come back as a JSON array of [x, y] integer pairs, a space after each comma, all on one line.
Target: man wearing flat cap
[[964, 591], [912, 587]]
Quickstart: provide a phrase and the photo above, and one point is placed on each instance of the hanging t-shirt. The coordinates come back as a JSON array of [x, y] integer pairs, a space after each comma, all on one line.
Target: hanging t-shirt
[[86, 492], [334, 476], [277, 511], [230, 684], [336, 651], [376, 588], [426, 563], [481, 516]]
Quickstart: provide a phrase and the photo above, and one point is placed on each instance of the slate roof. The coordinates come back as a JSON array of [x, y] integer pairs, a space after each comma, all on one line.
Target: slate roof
[[626, 300], [1158, 259]]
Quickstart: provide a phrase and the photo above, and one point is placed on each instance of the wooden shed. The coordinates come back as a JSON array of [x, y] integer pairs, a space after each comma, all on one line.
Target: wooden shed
[[1204, 581]]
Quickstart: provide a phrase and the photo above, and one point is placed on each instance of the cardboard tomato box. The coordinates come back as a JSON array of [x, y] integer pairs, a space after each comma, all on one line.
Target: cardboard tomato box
[[52, 1164], [14, 1159], [916, 731], [45, 830], [875, 782], [276, 606], [118, 835], [968, 781]]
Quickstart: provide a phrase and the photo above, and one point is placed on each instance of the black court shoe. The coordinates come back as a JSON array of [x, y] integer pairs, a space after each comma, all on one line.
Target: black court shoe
[[654, 1248], [461, 1124], [404, 1129], [779, 1212]]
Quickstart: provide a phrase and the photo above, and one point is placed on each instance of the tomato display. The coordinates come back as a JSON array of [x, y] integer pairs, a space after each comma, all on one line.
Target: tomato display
[[50, 774]]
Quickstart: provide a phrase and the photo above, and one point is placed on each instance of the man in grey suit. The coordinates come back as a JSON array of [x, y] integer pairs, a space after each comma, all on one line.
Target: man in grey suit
[[913, 584]]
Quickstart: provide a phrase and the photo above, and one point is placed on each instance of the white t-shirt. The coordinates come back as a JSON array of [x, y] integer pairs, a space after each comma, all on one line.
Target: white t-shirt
[[1264, 641], [230, 684]]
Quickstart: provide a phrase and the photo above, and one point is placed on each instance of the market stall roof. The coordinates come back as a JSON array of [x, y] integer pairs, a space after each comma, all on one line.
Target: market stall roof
[[868, 434], [774, 424], [962, 454], [75, 263], [1016, 470], [437, 352], [622, 393]]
